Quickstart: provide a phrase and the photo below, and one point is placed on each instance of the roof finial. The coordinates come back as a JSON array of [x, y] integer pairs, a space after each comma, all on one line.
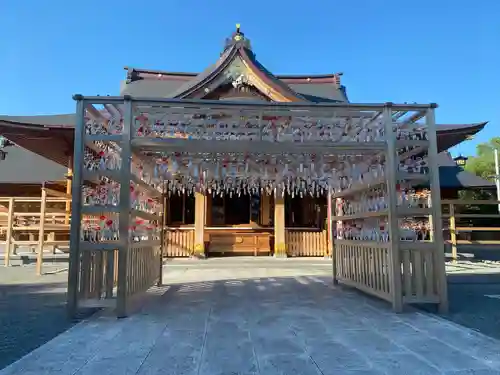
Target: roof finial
[[238, 28]]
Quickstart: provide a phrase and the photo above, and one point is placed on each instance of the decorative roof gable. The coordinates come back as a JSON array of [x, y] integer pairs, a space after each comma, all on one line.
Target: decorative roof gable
[[237, 62]]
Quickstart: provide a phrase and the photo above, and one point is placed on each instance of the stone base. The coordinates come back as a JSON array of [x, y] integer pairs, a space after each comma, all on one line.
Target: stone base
[[280, 256], [198, 256]]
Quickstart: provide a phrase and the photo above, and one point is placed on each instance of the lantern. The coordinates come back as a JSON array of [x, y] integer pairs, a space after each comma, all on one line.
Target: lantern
[[461, 161]]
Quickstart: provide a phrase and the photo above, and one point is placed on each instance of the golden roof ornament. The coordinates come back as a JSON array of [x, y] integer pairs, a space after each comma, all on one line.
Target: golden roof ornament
[[238, 36]]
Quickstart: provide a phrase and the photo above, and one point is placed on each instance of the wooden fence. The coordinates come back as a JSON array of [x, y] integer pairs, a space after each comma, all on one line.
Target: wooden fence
[[367, 267], [39, 224], [452, 213], [98, 274], [179, 242], [306, 242], [364, 266]]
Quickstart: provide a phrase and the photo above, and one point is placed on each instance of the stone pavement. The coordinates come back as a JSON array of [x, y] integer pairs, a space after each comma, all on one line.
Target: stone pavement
[[32, 309], [265, 320]]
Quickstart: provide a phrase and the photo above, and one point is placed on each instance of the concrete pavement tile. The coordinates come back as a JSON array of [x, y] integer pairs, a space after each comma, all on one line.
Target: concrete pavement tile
[[474, 372], [331, 355], [183, 336], [369, 343], [227, 349], [356, 372], [404, 363], [442, 356], [237, 363], [391, 328], [284, 364], [162, 362], [125, 365], [273, 345]]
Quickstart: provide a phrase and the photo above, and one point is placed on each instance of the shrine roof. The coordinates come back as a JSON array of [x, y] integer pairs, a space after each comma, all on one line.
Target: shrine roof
[[150, 84], [451, 176], [158, 83], [166, 74], [49, 136], [213, 71], [22, 166]]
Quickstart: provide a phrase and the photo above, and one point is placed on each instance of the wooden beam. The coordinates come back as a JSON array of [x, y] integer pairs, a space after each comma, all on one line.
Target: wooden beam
[[279, 226], [187, 103], [199, 224], [41, 233], [8, 237], [57, 193], [69, 186], [220, 146], [453, 233]]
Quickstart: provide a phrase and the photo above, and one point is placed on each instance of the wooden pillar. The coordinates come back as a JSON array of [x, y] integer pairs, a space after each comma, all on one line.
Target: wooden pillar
[[394, 238], [431, 225], [437, 223], [8, 237], [208, 210], [199, 224], [453, 233], [69, 185], [41, 233], [329, 226], [265, 206], [279, 226]]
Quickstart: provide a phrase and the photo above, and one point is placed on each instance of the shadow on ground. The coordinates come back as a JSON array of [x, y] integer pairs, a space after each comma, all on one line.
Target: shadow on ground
[[31, 315]]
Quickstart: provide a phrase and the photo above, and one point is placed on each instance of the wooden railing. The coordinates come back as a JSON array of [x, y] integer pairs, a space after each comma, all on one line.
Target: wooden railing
[[179, 242], [418, 265], [451, 212], [306, 242], [367, 267], [144, 267], [364, 266], [98, 274], [40, 224]]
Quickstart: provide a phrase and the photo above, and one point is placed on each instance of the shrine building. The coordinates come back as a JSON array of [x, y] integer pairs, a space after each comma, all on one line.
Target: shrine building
[[232, 223]]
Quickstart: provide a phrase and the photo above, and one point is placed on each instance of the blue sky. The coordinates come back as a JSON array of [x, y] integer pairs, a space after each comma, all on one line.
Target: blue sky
[[422, 51]]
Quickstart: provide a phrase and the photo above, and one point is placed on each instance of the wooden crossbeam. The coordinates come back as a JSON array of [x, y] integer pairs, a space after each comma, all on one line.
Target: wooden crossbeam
[[57, 193]]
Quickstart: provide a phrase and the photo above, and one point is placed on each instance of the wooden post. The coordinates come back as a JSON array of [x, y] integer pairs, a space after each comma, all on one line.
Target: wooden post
[[329, 226], [279, 226], [431, 220], [453, 233], [122, 291], [395, 256], [41, 232], [8, 237], [199, 225], [69, 186], [437, 223], [265, 206], [162, 237]]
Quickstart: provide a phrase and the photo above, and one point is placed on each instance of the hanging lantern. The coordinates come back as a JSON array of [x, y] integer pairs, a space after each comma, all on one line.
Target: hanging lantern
[[461, 161]]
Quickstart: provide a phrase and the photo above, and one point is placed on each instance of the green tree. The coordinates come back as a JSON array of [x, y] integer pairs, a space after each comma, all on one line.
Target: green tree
[[483, 165]]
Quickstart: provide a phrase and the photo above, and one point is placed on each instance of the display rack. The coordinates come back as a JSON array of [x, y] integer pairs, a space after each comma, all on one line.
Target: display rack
[[121, 214], [358, 154], [383, 227]]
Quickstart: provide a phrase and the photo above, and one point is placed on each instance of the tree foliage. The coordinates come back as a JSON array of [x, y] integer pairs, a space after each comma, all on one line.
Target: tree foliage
[[483, 164]]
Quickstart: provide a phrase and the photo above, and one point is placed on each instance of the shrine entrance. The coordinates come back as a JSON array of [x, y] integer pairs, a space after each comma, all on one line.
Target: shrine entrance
[[132, 155]]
